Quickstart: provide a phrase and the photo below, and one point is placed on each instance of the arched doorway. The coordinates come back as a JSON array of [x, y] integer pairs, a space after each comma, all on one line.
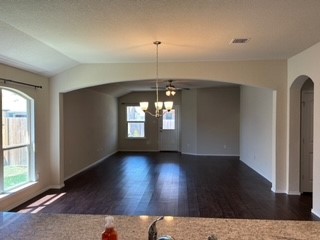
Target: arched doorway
[[306, 140], [296, 135]]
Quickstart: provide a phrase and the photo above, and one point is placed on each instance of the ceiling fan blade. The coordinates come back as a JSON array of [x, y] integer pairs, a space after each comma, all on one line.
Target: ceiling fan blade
[[161, 88]]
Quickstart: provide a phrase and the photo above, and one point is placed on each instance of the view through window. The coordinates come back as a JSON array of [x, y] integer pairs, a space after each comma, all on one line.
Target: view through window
[[135, 122], [17, 155], [168, 120]]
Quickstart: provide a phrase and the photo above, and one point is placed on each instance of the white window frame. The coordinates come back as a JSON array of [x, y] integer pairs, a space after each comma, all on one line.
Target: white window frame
[[163, 120], [136, 121], [30, 145]]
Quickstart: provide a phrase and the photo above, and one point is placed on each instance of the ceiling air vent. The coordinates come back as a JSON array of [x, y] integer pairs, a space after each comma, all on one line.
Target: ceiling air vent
[[239, 40]]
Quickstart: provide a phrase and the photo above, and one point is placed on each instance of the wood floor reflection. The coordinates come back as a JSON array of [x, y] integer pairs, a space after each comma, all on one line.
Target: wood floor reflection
[[172, 184]]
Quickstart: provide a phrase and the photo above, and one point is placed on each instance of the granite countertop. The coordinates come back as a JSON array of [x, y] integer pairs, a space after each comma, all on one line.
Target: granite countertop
[[68, 226]]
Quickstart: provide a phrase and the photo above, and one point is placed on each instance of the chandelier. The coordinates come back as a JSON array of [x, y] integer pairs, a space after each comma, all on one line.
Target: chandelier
[[158, 104]]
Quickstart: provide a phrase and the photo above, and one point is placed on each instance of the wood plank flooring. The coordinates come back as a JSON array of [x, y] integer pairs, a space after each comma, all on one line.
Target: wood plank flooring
[[169, 183]]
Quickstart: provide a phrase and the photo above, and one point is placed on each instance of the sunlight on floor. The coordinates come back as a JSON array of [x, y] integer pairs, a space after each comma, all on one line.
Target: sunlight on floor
[[37, 206]]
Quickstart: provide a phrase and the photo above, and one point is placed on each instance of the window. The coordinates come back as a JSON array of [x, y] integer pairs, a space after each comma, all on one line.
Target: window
[[168, 120], [17, 154], [135, 122]]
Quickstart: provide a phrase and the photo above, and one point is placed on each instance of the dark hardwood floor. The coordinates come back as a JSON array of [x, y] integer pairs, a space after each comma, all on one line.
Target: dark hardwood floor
[[173, 184]]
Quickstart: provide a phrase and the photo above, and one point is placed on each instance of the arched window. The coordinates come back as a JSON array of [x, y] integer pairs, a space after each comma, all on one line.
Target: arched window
[[17, 142]]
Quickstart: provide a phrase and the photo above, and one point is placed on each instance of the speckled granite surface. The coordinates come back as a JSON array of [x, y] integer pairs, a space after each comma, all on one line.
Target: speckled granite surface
[[63, 226]]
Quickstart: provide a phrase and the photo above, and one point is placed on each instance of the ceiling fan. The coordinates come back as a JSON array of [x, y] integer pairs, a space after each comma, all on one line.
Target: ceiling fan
[[170, 88]]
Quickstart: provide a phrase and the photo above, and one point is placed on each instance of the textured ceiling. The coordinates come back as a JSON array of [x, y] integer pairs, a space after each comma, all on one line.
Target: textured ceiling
[[48, 37]]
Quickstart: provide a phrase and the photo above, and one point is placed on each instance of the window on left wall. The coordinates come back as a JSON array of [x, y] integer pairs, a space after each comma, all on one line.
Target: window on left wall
[[17, 143], [135, 122]]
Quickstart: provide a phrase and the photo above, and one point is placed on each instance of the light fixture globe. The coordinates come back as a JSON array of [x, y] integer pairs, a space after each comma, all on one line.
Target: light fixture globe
[[158, 105], [168, 105], [144, 106]]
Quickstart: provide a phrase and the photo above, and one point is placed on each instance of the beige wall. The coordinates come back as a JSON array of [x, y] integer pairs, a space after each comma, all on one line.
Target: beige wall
[[256, 129], [267, 74], [301, 67], [210, 121], [90, 129], [189, 122], [218, 113], [42, 124]]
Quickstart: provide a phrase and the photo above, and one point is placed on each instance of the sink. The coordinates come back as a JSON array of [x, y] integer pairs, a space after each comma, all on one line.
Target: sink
[[212, 237]]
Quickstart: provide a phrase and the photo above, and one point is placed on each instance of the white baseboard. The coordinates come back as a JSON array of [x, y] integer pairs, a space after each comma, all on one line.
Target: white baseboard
[[56, 186], [188, 153], [286, 192], [219, 155], [315, 212], [294, 193], [210, 154], [89, 166], [278, 191], [126, 150]]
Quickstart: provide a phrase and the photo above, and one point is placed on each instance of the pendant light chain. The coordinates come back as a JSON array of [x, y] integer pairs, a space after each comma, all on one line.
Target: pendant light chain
[[157, 71]]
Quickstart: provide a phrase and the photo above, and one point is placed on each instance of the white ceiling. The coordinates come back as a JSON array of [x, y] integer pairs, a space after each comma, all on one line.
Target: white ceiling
[[48, 37]]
